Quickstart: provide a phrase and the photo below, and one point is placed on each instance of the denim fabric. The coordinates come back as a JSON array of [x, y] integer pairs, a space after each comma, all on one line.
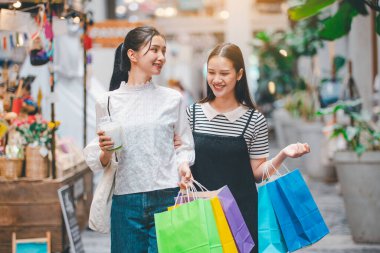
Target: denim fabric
[[132, 220]]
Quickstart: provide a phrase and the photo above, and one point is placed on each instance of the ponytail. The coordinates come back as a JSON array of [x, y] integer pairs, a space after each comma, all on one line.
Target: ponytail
[[135, 39]]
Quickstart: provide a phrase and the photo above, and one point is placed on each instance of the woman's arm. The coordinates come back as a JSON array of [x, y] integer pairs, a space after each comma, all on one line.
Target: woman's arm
[[185, 151], [95, 153], [293, 151]]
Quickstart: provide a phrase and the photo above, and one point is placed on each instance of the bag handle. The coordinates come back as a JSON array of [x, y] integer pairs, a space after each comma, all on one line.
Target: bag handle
[[109, 114], [180, 195], [200, 185], [266, 171], [190, 190]]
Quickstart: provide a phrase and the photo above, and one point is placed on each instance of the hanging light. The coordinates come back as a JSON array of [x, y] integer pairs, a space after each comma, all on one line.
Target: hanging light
[[76, 20], [160, 12], [17, 4], [224, 14], [283, 52], [121, 10], [170, 11], [133, 6], [272, 87]]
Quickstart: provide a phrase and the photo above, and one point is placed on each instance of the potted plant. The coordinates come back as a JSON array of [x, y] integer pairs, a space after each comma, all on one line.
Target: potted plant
[[37, 137], [358, 167]]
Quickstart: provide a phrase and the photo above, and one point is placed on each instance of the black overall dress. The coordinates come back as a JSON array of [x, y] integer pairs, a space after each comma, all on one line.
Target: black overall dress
[[224, 160]]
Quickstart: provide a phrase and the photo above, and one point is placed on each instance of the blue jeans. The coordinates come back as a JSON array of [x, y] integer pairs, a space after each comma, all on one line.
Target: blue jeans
[[132, 220]]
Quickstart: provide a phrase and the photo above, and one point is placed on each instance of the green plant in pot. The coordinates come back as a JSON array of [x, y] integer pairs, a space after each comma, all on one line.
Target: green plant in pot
[[360, 133], [358, 168]]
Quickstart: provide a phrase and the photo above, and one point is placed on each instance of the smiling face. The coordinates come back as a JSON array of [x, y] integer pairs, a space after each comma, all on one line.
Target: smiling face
[[222, 77], [151, 57]]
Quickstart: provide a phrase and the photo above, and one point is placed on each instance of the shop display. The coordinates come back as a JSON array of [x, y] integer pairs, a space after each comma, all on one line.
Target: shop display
[[34, 161]]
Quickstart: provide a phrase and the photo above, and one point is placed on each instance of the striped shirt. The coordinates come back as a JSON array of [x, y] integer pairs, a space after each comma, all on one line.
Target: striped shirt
[[227, 124]]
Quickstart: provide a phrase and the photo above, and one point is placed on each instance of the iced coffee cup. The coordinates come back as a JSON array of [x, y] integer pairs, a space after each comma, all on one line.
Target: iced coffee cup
[[112, 129]]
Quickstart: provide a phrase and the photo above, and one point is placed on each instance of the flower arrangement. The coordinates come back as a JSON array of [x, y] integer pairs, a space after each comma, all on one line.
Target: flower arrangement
[[35, 130]]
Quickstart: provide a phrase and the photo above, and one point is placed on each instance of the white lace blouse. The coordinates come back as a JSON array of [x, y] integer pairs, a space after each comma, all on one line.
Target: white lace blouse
[[149, 115]]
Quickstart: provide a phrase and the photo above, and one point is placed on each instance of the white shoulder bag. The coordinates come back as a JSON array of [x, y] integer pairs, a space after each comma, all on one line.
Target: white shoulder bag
[[100, 211]]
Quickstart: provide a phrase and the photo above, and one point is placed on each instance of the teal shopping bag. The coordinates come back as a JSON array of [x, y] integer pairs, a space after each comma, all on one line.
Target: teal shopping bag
[[189, 228], [270, 235], [297, 213]]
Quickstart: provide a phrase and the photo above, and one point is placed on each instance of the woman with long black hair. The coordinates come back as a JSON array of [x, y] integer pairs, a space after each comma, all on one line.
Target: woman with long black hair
[[231, 135], [149, 167]]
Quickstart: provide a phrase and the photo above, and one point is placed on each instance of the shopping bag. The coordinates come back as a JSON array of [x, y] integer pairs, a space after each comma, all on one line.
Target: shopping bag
[[297, 213], [270, 235], [189, 228], [238, 227], [226, 239]]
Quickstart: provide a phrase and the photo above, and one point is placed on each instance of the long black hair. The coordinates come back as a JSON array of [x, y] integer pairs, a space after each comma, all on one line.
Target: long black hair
[[117, 75], [135, 39], [234, 54]]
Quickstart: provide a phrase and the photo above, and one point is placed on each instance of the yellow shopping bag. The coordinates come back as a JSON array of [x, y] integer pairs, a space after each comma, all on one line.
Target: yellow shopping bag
[[224, 231]]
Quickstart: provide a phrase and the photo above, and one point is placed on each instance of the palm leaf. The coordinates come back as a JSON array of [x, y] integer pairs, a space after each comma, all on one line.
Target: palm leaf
[[308, 9], [340, 24]]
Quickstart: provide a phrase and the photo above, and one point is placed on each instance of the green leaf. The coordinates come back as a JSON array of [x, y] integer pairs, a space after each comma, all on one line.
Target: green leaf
[[360, 149], [351, 132], [376, 135], [377, 21], [359, 6], [308, 9], [339, 62], [337, 130], [340, 24], [263, 36]]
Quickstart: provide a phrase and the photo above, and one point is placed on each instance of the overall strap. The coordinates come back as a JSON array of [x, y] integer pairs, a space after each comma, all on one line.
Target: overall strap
[[248, 121], [194, 117]]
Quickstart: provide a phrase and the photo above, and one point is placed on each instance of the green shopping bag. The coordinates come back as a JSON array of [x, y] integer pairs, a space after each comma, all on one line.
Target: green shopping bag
[[189, 228]]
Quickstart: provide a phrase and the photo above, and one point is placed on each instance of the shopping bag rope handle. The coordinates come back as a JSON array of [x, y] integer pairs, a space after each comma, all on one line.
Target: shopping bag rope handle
[[266, 170], [200, 185], [180, 196], [190, 190]]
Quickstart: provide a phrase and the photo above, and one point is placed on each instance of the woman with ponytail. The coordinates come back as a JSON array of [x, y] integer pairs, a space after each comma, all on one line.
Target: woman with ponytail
[[149, 166]]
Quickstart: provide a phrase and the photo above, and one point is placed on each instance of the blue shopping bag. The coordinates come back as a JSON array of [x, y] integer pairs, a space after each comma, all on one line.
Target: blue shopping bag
[[270, 235], [297, 213]]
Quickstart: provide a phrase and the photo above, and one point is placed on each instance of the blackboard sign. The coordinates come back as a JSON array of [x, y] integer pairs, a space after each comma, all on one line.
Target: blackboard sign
[[72, 227]]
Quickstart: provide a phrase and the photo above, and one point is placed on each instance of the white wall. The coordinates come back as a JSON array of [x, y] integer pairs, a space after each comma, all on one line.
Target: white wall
[[102, 64], [360, 52], [98, 7]]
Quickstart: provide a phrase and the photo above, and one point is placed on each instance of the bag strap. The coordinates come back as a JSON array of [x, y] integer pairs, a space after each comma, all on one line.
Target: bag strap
[[109, 114], [249, 120], [108, 107], [194, 117]]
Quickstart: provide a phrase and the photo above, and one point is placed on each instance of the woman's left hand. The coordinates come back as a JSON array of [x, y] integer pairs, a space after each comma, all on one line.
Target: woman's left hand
[[177, 141], [185, 174], [296, 150]]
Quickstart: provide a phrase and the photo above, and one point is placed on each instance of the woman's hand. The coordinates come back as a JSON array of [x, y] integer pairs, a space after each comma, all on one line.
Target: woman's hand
[[177, 141], [105, 143], [185, 174], [296, 150]]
